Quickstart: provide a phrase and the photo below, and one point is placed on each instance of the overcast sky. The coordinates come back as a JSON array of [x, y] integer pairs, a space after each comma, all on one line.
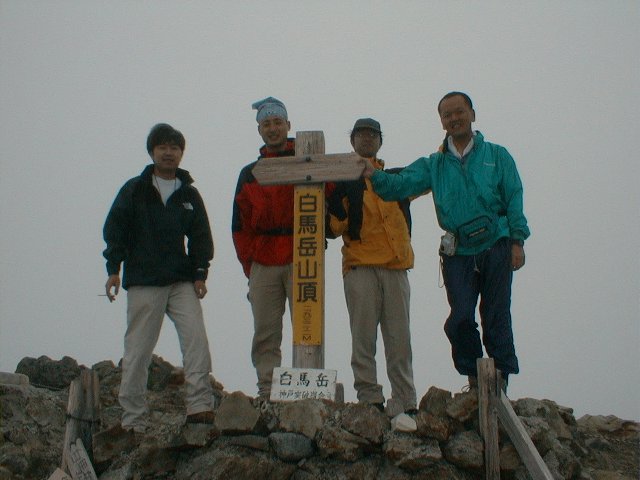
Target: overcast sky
[[557, 83]]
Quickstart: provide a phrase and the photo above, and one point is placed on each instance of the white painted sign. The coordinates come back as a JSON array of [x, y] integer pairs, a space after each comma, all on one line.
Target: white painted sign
[[291, 384], [79, 463], [59, 475]]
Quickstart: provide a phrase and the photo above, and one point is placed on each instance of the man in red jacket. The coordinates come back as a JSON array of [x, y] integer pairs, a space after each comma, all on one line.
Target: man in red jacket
[[262, 228]]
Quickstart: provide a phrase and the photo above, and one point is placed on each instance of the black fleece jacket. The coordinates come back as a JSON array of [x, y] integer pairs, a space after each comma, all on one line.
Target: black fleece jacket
[[149, 237]]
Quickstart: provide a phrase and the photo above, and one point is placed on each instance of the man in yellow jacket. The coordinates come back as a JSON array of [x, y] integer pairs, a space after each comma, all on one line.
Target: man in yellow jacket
[[375, 258]]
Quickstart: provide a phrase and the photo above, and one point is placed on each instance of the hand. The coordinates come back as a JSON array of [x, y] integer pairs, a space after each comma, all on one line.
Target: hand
[[368, 167], [113, 283], [517, 257], [200, 288]]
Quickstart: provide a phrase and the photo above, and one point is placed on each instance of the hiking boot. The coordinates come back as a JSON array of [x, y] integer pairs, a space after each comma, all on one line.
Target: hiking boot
[[207, 417]]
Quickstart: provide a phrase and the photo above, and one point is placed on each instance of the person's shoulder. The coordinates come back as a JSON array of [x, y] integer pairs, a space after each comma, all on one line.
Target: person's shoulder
[[133, 183], [481, 140], [246, 173], [143, 177], [497, 151]]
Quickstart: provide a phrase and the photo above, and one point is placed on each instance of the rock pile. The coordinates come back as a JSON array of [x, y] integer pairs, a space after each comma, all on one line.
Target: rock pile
[[309, 439]]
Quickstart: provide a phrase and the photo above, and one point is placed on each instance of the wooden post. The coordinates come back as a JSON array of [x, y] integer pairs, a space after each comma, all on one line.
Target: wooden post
[[82, 413], [488, 418], [308, 263], [79, 464], [308, 170], [492, 401], [525, 447]]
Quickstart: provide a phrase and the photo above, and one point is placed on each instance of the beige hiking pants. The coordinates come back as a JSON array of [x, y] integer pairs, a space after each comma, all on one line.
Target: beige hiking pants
[[269, 289], [379, 296], [146, 307]]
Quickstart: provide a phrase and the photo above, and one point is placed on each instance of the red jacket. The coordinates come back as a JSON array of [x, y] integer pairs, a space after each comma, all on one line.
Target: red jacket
[[262, 224]]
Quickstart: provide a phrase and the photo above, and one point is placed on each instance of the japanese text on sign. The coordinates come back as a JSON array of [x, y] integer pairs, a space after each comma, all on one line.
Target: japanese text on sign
[[308, 261], [290, 384]]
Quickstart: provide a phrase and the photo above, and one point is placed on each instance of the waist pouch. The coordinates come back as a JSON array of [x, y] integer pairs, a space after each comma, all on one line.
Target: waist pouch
[[477, 231]]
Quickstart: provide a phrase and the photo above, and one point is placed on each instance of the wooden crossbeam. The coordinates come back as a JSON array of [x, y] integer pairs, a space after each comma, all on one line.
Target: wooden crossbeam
[[308, 168]]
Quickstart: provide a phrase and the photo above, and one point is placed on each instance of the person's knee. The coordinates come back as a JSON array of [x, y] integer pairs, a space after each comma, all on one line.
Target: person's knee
[[456, 322]]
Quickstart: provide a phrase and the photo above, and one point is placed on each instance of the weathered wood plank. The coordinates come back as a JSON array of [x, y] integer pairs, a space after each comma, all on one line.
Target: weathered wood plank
[[59, 475], [82, 411], [79, 464], [308, 167], [488, 417], [525, 447]]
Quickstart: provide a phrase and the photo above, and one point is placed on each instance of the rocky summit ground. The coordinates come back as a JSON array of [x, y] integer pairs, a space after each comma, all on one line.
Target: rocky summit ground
[[298, 441]]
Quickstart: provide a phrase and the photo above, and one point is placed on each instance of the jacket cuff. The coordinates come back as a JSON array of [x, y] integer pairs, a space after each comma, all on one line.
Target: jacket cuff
[[201, 274], [113, 269]]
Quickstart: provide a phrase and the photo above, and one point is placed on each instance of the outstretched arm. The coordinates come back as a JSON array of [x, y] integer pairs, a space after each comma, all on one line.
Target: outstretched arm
[[411, 181]]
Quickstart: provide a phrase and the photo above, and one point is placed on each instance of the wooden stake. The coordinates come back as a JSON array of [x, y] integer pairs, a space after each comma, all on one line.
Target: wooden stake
[[82, 412], [488, 417], [525, 447]]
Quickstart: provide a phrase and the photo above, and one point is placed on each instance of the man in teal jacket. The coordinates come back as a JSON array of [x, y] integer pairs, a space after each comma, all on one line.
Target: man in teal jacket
[[477, 194]]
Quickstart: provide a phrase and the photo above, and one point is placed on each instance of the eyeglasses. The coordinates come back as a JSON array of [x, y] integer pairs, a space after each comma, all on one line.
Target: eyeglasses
[[367, 133]]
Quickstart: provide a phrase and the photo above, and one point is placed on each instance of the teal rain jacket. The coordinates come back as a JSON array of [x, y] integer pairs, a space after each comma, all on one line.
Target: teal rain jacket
[[482, 191]]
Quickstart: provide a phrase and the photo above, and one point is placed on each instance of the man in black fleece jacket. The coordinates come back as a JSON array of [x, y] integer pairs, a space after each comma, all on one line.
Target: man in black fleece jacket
[[145, 230]]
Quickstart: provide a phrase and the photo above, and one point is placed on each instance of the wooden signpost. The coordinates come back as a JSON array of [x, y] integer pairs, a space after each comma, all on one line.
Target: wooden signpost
[[308, 170], [493, 404], [83, 411]]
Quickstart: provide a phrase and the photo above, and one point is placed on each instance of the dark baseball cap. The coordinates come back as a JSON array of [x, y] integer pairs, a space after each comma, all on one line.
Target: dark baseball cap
[[367, 123]]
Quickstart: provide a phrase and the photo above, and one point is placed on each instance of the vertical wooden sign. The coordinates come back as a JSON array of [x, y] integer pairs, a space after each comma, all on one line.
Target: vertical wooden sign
[[308, 263]]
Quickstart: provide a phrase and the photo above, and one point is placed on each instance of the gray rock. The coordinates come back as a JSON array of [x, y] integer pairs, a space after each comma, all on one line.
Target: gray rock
[[255, 442], [334, 442], [562, 462], [47, 373], [111, 443], [291, 447], [160, 374], [123, 473], [195, 435], [232, 463], [509, 458], [7, 378], [306, 417], [545, 409], [542, 436], [610, 425], [367, 468], [435, 401], [32, 427], [432, 426], [236, 414], [465, 450], [411, 453], [365, 421], [463, 406]]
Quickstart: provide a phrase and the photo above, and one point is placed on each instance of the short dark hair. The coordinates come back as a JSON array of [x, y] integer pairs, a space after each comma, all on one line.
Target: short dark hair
[[163, 133], [466, 98]]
